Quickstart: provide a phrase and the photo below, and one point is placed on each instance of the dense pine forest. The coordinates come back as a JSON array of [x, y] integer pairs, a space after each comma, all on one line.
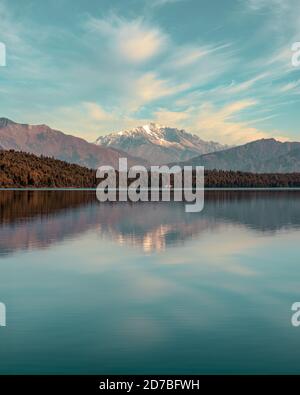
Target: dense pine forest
[[238, 179], [19, 169]]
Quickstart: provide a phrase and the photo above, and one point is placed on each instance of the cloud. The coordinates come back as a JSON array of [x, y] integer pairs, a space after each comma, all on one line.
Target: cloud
[[130, 66], [149, 87], [256, 5], [161, 3], [231, 109], [291, 87], [173, 118], [188, 55], [87, 119], [116, 72], [142, 64], [224, 123], [246, 85], [21, 53], [133, 40], [97, 113], [221, 124]]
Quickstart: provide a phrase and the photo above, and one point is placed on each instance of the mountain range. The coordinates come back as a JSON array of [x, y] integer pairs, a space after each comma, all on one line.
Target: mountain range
[[151, 144], [159, 144], [42, 140], [260, 156]]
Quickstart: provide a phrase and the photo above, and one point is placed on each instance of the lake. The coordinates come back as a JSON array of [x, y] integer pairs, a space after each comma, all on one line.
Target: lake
[[121, 288]]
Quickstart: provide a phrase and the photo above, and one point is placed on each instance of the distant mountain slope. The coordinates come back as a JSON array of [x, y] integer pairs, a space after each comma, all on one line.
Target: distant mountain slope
[[289, 162], [261, 156], [159, 144], [42, 140]]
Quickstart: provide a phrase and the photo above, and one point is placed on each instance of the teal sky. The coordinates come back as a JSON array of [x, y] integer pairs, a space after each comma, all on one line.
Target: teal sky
[[220, 69]]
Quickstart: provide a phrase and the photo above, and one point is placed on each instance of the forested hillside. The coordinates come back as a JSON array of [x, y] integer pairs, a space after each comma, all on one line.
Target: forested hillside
[[19, 169]]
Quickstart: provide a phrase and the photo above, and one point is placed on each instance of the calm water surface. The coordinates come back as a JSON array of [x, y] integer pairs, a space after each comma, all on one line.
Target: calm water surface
[[146, 288]]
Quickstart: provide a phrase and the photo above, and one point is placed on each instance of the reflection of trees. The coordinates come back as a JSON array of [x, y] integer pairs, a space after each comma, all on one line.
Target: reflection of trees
[[36, 219], [17, 205]]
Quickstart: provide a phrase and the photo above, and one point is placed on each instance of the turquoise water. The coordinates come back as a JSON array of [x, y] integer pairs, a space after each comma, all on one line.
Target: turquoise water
[[146, 288]]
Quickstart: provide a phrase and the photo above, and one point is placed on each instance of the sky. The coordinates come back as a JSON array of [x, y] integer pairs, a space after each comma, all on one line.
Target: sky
[[219, 69]]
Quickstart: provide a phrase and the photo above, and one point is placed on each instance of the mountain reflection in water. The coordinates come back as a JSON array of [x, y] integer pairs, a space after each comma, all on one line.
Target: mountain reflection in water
[[37, 219]]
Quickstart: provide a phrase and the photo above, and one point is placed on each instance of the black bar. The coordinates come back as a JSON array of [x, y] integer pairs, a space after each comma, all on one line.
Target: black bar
[[132, 384]]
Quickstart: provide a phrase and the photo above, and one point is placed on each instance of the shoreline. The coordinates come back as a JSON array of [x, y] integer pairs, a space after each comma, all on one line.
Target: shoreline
[[270, 189]]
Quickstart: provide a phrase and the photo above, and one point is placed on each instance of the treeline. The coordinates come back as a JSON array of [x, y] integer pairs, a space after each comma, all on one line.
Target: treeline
[[19, 169], [238, 179]]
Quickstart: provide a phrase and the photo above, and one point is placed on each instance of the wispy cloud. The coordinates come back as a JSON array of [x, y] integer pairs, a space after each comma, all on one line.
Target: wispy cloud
[[133, 40], [262, 4], [223, 123], [291, 87], [114, 69], [161, 3], [149, 87], [97, 112]]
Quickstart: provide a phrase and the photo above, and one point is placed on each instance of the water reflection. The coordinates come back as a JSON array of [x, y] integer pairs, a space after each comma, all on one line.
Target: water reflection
[[37, 219], [95, 294]]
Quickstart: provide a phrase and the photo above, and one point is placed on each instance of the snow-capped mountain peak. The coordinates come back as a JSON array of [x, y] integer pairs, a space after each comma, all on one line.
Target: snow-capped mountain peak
[[151, 129], [159, 144], [148, 128]]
